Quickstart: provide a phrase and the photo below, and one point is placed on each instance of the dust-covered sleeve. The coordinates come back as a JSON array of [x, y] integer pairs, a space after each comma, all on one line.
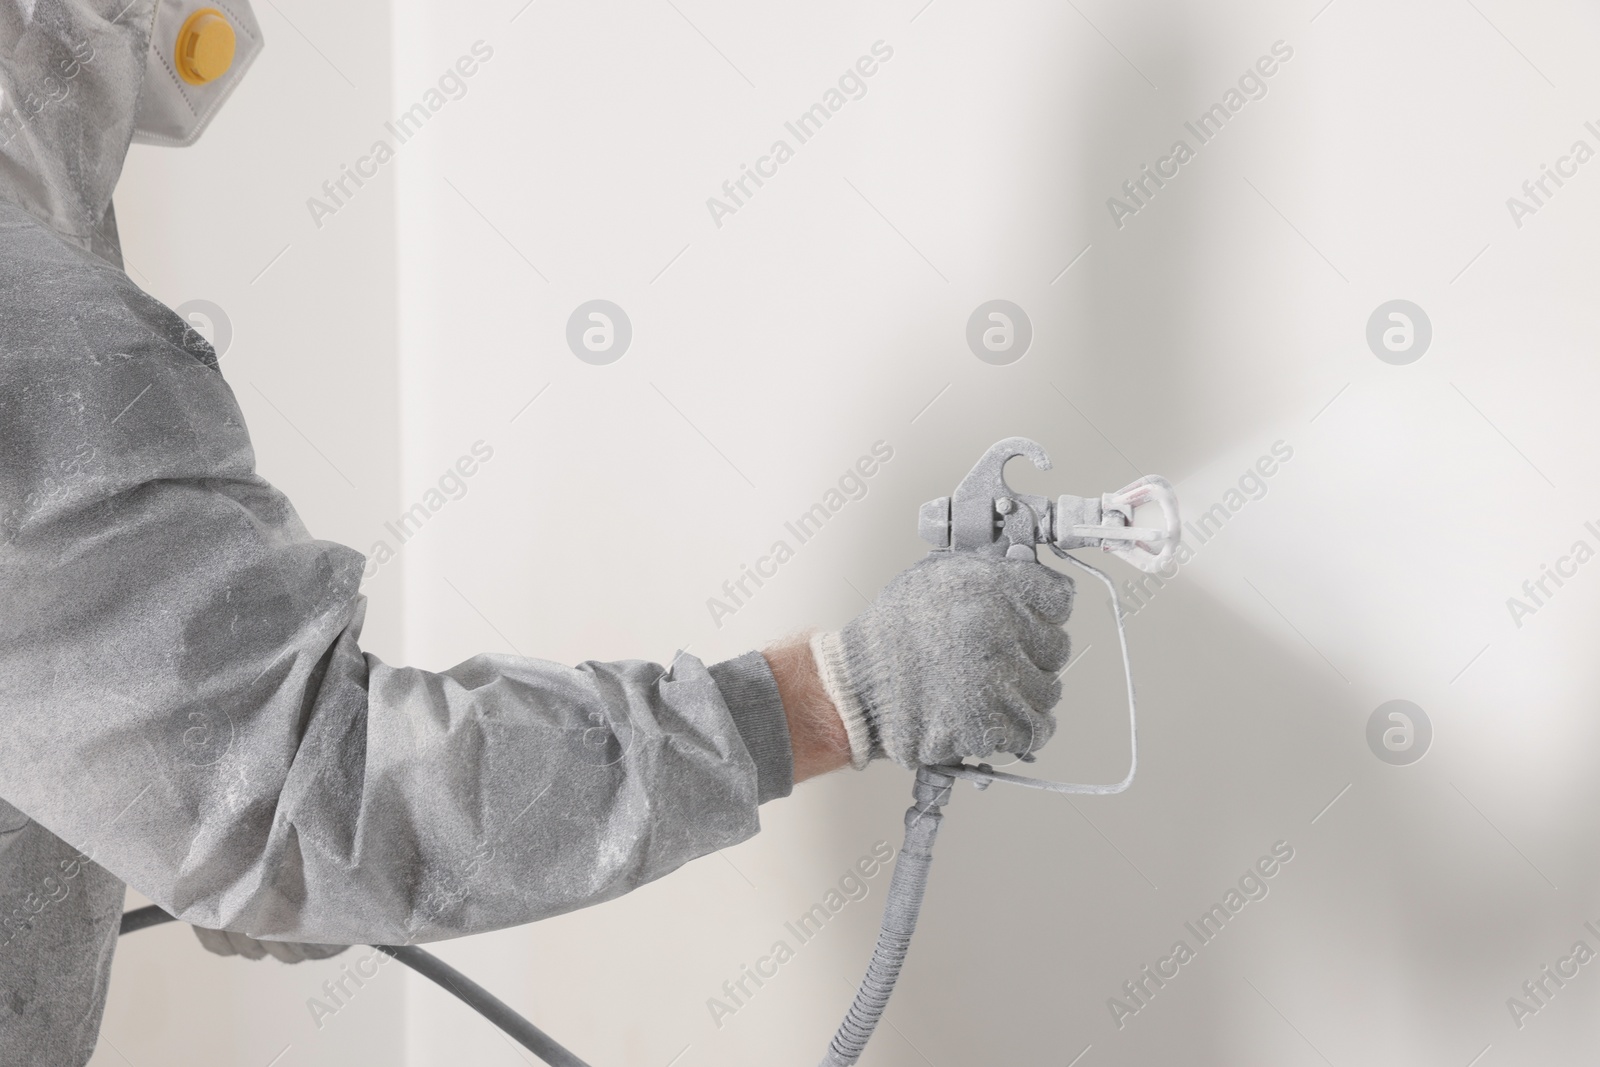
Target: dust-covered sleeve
[[184, 697]]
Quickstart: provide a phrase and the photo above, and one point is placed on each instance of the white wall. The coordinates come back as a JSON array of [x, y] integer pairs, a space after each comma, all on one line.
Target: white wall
[[1227, 315]]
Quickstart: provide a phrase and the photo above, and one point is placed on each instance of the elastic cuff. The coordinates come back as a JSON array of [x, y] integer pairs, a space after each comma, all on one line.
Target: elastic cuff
[[751, 694], [825, 650]]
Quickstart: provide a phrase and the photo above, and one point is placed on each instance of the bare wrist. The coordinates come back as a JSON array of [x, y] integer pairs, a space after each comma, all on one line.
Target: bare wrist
[[816, 732]]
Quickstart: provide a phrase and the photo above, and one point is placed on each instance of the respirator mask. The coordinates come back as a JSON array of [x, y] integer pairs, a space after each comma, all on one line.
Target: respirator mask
[[198, 55]]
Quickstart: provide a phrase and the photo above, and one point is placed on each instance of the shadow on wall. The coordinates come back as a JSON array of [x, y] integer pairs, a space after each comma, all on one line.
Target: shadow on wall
[[1135, 355], [1175, 313]]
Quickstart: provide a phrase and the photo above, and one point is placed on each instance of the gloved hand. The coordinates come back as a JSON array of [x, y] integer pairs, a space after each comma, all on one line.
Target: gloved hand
[[229, 943], [957, 657]]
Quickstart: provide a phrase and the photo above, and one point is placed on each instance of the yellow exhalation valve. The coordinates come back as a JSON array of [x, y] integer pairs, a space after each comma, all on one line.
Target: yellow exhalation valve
[[205, 46]]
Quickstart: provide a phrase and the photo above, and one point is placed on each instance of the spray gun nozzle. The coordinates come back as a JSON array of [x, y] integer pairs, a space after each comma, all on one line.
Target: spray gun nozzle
[[1107, 523]]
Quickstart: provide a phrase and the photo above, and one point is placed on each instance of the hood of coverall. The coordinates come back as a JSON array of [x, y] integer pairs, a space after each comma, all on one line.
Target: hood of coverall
[[78, 80]]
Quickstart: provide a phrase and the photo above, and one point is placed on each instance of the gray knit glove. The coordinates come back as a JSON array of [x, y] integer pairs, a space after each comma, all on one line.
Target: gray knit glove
[[957, 657]]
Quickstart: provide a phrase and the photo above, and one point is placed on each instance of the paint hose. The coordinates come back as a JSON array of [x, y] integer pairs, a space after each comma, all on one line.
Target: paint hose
[[440, 973], [930, 792]]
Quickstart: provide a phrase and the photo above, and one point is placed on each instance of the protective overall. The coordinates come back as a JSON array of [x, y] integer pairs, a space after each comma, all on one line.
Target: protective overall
[[184, 700]]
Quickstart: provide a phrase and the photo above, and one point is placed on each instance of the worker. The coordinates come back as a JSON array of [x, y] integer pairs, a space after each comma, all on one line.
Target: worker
[[185, 706]]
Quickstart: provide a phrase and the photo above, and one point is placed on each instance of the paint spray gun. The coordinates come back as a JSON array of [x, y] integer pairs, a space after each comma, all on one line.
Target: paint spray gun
[[985, 515]]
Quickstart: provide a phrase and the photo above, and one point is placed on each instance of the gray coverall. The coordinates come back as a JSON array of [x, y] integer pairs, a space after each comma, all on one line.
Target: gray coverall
[[184, 703]]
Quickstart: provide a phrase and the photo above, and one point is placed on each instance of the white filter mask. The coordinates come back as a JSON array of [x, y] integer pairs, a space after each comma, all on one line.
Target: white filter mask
[[199, 53]]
